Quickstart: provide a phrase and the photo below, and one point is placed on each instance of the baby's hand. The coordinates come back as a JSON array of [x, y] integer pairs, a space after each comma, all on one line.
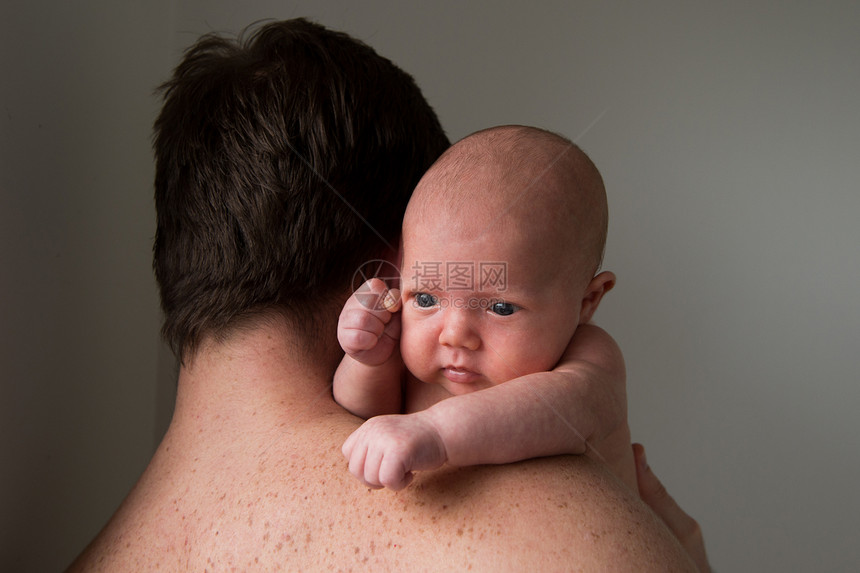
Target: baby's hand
[[385, 450], [368, 328]]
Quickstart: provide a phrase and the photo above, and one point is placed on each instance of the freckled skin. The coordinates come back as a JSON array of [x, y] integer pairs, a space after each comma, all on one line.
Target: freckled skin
[[301, 510]]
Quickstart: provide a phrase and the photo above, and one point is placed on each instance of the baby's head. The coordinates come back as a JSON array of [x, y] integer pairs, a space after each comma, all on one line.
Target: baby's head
[[501, 242]]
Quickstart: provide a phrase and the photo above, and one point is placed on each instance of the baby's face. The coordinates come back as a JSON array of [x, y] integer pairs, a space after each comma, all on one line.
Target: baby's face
[[483, 305]]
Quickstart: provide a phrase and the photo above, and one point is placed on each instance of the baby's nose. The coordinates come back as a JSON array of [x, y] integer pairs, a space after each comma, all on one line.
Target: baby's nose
[[458, 329]]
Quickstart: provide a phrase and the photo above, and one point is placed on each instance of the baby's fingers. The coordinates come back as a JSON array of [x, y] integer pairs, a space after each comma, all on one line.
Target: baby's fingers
[[370, 472], [348, 445], [358, 463], [375, 296], [391, 300], [393, 473], [362, 334]]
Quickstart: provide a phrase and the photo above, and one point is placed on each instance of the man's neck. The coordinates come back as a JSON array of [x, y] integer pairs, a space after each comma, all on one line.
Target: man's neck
[[259, 376]]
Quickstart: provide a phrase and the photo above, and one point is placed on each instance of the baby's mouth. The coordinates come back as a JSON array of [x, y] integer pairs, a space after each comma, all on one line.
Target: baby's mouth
[[459, 374]]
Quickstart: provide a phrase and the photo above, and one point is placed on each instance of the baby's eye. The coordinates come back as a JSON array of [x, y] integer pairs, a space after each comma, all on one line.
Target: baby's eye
[[503, 308], [424, 300]]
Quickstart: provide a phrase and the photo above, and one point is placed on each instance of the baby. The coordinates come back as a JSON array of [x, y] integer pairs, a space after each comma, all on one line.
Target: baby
[[493, 348]]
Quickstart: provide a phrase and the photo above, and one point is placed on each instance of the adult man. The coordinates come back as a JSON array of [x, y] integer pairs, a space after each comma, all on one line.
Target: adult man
[[283, 164]]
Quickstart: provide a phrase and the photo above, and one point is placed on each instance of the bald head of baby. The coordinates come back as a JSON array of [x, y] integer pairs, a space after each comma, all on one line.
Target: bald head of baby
[[532, 186]]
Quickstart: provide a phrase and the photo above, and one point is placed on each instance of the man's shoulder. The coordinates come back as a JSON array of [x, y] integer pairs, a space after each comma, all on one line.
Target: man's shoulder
[[556, 513], [300, 509], [551, 513]]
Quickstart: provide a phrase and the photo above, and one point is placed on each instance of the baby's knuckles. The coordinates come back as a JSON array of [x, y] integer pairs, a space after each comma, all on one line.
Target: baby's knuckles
[[354, 341], [367, 320], [400, 445]]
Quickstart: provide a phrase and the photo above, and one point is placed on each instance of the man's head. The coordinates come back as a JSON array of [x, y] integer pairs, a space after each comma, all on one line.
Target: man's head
[[284, 160], [502, 240]]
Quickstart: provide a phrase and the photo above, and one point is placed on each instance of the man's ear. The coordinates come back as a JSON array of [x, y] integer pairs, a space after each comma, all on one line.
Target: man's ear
[[599, 286]]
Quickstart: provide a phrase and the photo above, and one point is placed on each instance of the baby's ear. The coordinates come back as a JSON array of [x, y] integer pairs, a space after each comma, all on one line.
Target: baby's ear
[[599, 286], [394, 258], [398, 261]]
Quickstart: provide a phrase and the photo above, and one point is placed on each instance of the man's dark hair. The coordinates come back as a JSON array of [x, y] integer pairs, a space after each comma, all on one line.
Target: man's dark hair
[[284, 160]]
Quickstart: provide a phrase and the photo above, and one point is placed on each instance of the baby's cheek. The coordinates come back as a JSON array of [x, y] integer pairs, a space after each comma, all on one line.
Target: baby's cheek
[[413, 348]]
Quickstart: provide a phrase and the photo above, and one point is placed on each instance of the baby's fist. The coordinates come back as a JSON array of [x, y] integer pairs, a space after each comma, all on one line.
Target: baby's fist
[[385, 450], [368, 328]]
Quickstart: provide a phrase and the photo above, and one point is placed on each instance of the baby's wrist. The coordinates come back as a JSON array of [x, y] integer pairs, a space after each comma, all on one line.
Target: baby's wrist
[[433, 424]]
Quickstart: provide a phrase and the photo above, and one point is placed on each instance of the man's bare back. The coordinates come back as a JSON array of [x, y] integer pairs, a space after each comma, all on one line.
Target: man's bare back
[[256, 481]]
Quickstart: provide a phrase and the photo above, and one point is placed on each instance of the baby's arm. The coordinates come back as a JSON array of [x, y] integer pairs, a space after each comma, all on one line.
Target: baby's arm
[[579, 407], [368, 380]]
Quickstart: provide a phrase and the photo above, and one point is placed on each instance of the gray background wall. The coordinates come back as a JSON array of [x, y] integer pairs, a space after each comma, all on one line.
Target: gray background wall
[[729, 138]]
